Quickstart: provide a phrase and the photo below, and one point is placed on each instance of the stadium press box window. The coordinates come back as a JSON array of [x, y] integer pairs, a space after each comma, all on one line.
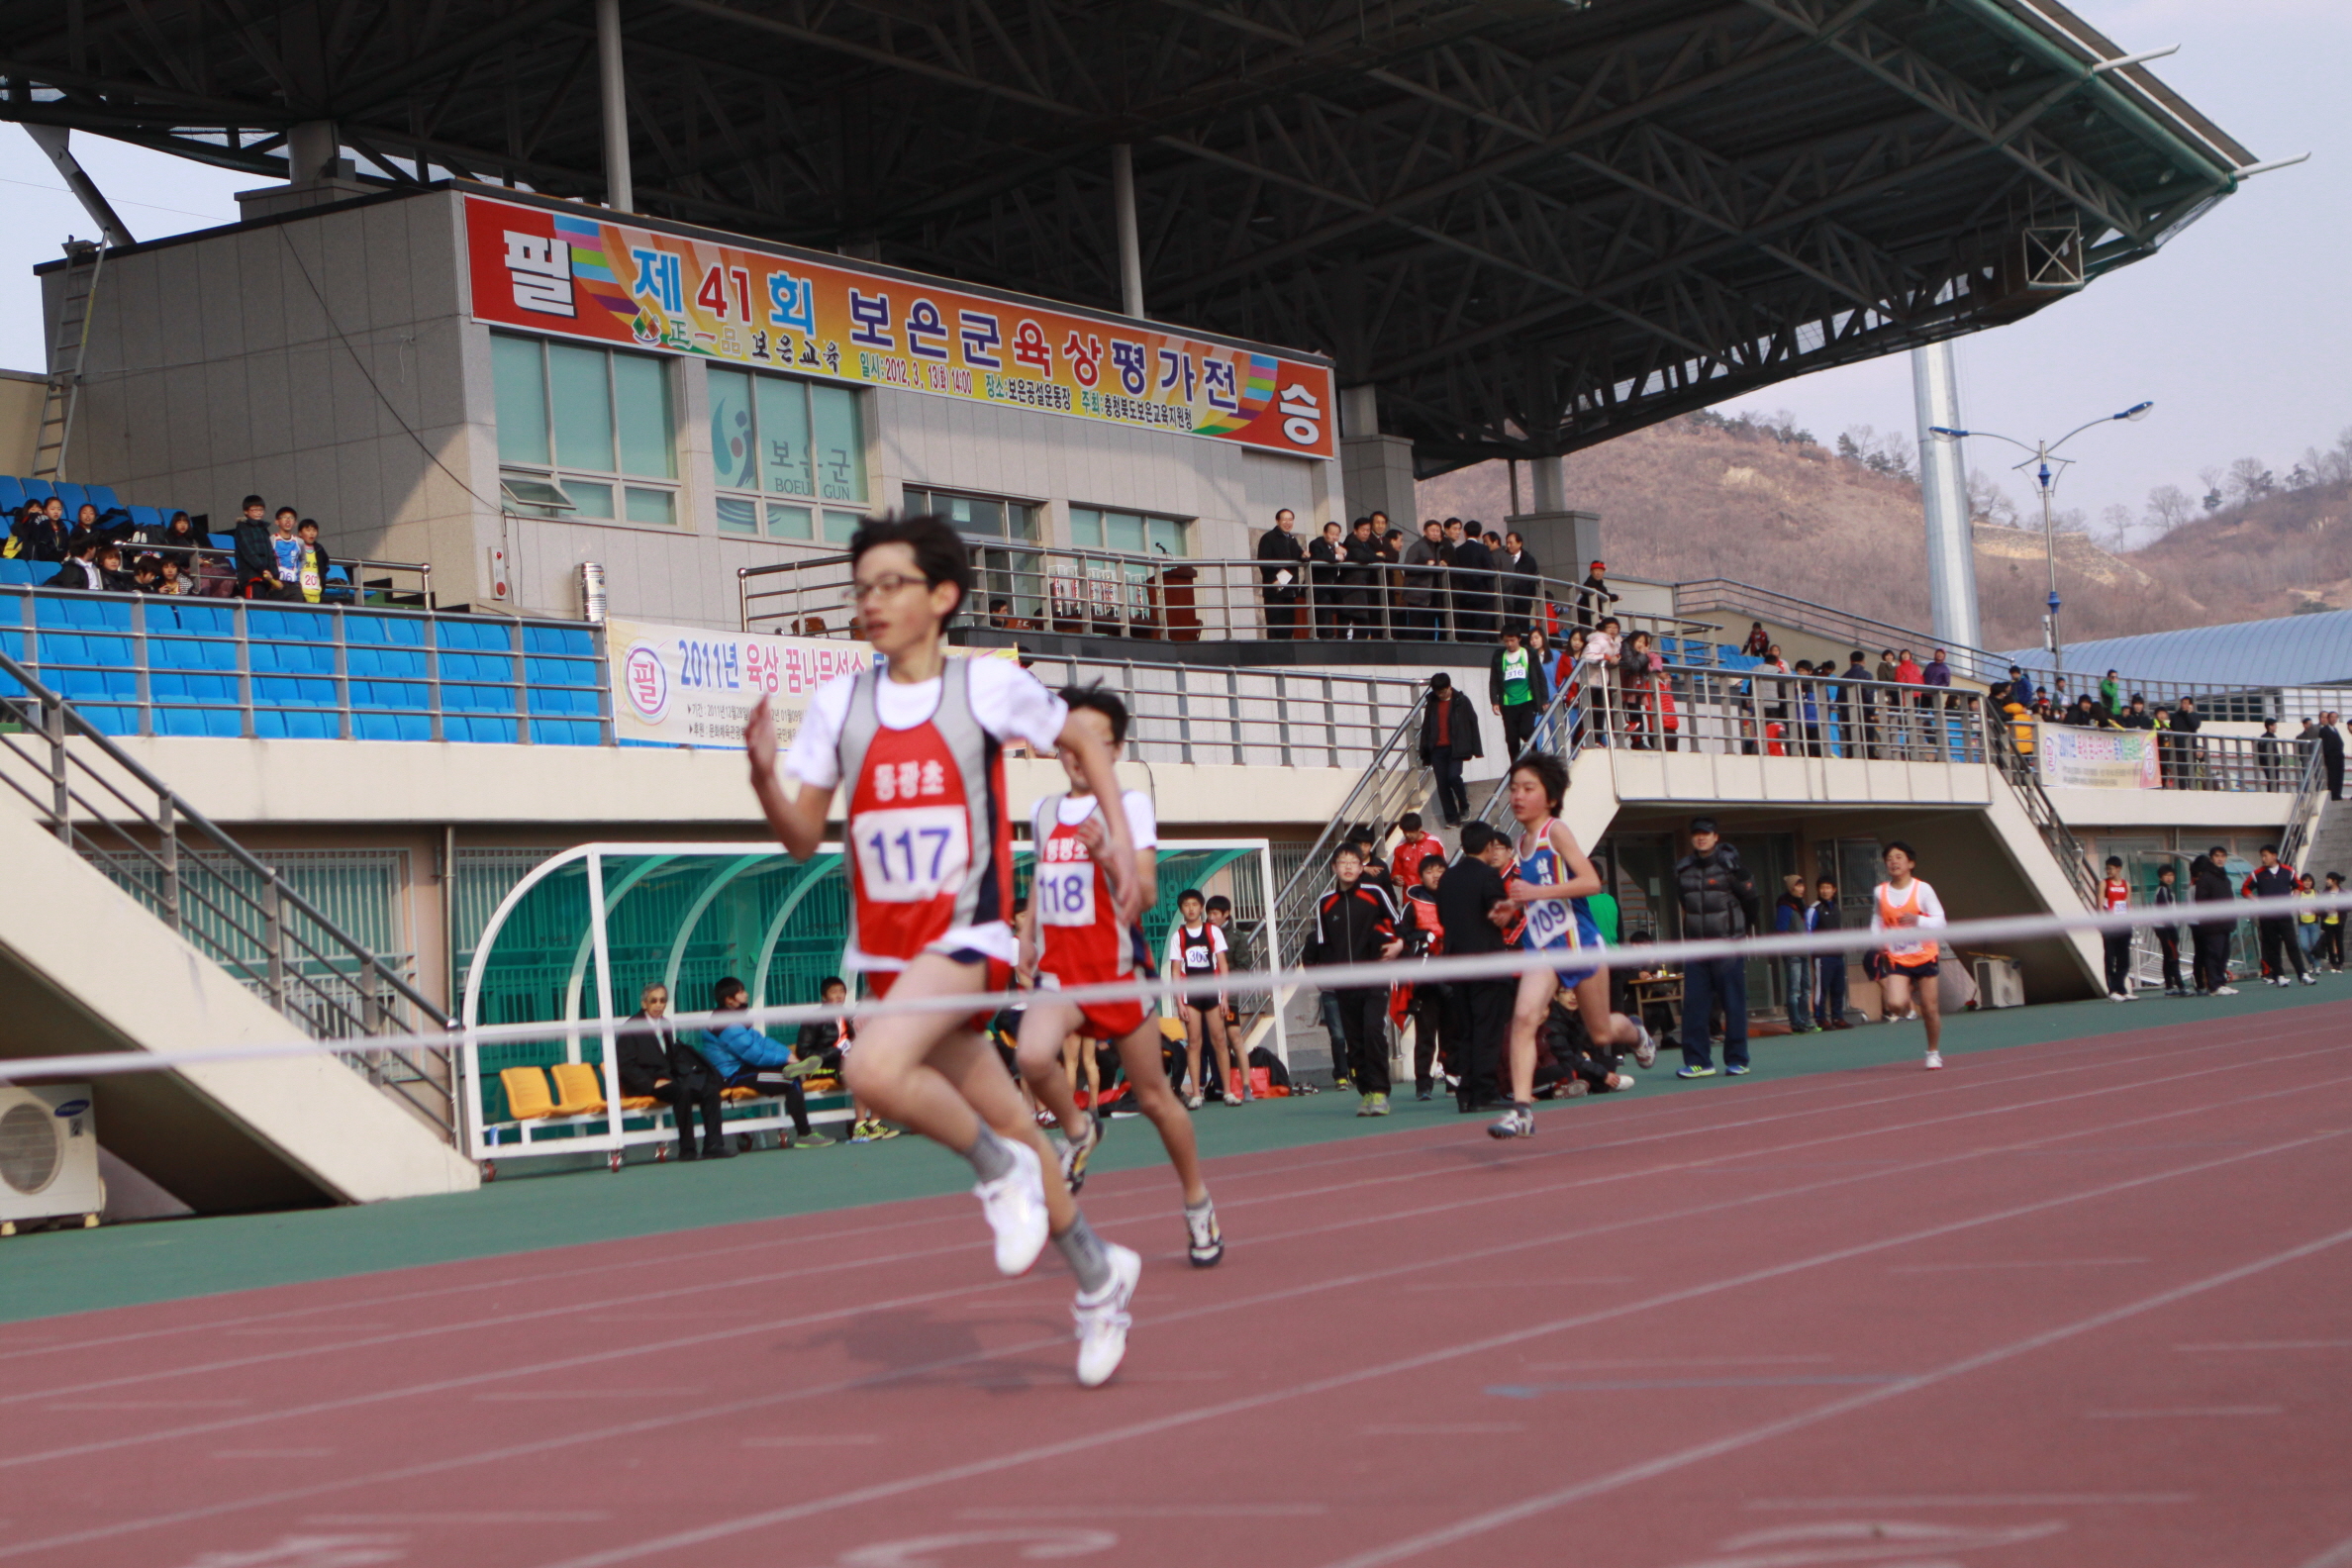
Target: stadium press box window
[[775, 435], [596, 424], [1129, 533]]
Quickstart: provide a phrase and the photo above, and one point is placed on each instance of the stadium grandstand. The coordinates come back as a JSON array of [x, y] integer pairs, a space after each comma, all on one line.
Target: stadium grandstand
[[589, 332]]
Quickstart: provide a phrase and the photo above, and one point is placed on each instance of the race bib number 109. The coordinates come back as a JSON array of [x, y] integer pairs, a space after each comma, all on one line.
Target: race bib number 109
[[911, 854]]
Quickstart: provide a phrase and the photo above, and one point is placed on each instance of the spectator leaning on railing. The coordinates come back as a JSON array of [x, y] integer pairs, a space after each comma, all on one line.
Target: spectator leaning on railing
[[1284, 570]]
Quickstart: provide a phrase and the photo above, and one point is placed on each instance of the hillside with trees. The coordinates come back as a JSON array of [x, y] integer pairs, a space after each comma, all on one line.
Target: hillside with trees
[[1762, 501]]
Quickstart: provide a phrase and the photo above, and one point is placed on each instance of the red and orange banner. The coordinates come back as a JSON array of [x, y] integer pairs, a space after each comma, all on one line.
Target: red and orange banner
[[574, 273]]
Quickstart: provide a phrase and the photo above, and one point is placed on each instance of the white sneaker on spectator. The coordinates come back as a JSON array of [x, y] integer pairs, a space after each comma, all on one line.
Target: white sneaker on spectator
[[1015, 1203], [1645, 1049], [2228, 990], [1103, 1319]]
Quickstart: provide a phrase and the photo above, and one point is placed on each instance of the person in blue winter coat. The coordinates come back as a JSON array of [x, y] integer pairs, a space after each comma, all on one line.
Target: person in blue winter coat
[[744, 1058]]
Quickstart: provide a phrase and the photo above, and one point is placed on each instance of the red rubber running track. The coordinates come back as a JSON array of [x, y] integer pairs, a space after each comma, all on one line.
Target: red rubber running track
[[2077, 1304]]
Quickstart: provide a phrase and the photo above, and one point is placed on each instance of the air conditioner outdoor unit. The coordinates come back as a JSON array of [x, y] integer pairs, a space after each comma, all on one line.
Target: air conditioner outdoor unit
[[49, 1156]]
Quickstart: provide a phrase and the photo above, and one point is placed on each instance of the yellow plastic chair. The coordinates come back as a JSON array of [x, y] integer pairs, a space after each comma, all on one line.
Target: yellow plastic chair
[[579, 1089], [526, 1094]]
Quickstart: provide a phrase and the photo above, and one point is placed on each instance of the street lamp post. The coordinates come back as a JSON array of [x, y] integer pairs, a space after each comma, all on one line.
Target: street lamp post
[[2045, 479]]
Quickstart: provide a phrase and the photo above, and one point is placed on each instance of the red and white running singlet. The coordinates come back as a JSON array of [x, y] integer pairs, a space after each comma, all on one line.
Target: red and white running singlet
[[1079, 938], [928, 845]]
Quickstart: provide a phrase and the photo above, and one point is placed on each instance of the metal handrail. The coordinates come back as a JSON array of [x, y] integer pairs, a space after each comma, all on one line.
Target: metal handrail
[[1712, 594], [1384, 791], [2025, 778], [1021, 586], [1201, 712], [2305, 806], [70, 799]]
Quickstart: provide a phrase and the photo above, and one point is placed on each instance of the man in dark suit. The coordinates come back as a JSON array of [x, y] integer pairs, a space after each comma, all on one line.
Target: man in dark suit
[[2331, 755], [1284, 574], [1478, 1012], [1449, 739], [1473, 581], [1520, 590]]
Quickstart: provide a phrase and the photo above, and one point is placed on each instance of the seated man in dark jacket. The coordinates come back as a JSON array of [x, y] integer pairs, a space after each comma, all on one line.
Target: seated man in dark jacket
[[744, 1058], [653, 1061]]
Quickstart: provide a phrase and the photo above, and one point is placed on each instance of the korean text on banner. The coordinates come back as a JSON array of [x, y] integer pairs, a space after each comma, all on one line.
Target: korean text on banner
[[2072, 758], [574, 273], [683, 686]]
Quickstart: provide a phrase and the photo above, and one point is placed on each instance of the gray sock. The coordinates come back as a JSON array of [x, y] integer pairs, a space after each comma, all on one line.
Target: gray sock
[[1083, 1251], [991, 1156], [1201, 1208]]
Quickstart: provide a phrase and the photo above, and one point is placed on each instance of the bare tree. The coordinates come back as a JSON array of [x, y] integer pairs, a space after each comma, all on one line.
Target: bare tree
[[2115, 529], [2168, 507], [2249, 480], [1988, 502], [2211, 480]]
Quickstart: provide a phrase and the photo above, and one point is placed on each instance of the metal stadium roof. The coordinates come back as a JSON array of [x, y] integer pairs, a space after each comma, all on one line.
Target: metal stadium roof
[[1533, 223], [2292, 650]]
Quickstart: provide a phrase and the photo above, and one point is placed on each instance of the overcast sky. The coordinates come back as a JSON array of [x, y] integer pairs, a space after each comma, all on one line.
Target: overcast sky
[[2239, 328]]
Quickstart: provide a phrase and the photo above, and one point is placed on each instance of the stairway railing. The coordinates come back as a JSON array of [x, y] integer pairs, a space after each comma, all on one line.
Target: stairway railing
[[2025, 779], [1395, 782], [2305, 807], [217, 894]]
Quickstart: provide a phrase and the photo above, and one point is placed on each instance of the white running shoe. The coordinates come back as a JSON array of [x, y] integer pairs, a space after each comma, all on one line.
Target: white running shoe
[[2228, 990], [1015, 1203], [1645, 1049], [1206, 1239], [1935, 1061], [1103, 1322]]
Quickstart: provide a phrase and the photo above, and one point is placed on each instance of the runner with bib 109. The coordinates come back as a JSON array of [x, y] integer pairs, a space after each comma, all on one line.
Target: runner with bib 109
[[918, 744], [1552, 879]]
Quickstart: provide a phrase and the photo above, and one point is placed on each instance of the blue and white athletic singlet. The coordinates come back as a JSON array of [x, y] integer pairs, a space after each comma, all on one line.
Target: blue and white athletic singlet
[[1556, 922]]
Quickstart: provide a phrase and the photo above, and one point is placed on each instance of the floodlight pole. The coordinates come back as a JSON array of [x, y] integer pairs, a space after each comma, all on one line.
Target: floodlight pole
[[1131, 246], [2045, 478], [620, 188]]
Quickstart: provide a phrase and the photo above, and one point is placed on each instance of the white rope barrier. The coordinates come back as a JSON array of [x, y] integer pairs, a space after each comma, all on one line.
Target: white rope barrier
[[1333, 977]]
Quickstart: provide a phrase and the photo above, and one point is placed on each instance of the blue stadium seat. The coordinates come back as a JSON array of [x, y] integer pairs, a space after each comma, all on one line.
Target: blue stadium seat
[[38, 489], [110, 720], [339, 586], [102, 497], [391, 727], [271, 725], [288, 692], [20, 573], [11, 492], [566, 732], [147, 517], [218, 723], [222, 541], [559, 640], [73, 496], [174, 686], [481, 730], [390, 694]]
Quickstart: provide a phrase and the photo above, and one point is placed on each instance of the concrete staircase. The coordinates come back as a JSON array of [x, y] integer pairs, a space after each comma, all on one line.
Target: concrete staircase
[[2330, 847]]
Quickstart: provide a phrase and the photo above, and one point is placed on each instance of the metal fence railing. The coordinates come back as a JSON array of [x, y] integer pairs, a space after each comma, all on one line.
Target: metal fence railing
[[238, 911], [1394, 780], [211, 573], [147, 664], [1263, 717], [1036, 588]]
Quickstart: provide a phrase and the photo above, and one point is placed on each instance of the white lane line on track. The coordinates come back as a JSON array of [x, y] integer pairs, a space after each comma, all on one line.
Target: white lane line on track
[[2273, 1344], [1080, 1444], [1709, 1207], [1808, 1088], [802, 1272], [1665, 1464]]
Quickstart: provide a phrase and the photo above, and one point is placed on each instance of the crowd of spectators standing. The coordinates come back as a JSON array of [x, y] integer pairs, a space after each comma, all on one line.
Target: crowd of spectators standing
[[271, 557], [1455, 580]]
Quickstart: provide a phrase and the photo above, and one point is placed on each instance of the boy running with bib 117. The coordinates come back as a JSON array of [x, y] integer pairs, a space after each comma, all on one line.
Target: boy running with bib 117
[[919, 746]]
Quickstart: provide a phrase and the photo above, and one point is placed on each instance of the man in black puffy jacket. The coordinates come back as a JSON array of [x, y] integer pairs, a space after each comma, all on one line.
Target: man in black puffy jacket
[[1718, 900], [2209, 883]]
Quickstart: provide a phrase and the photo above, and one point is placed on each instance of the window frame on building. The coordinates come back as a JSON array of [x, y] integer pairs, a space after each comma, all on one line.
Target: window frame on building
[[542, 483], [816, 516]]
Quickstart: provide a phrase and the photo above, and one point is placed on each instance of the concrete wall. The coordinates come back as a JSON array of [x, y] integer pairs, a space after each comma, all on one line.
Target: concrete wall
[[325, 360], [22, 394]]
